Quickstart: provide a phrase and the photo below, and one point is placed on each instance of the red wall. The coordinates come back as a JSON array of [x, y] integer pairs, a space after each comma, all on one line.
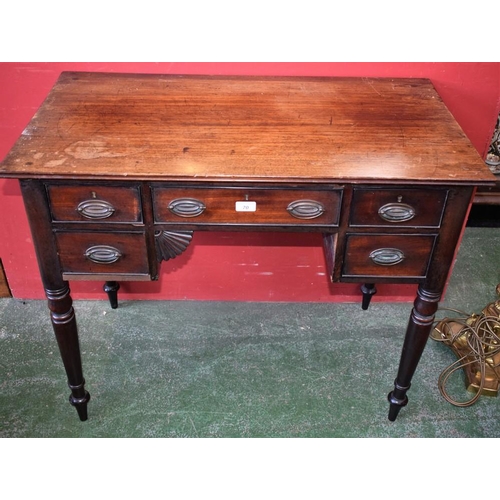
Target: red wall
[[228, 266]]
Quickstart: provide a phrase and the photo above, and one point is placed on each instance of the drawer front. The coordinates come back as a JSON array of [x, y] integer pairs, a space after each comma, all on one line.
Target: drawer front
[[247, 206], [102, 253], [94, 203], [395, 256], [398, 207]]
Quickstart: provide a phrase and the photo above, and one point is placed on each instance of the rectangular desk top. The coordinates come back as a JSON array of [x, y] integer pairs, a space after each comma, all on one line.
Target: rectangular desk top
[[266, 129]]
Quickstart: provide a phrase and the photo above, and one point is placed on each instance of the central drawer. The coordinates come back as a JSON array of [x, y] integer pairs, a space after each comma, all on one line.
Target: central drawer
[[268, 206]]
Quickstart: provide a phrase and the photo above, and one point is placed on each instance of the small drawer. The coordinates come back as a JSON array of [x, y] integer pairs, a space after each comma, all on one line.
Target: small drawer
[[94, 203], [394, 256], [93, 253], [397, 207], [247, 206]]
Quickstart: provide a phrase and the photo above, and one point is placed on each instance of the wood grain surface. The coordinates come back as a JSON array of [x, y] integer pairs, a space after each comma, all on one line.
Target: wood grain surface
[[128, 126]]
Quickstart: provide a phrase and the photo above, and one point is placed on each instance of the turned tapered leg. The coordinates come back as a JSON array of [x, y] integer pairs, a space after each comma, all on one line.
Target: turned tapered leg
[[64, 324], [60, 303], [111, 288], [417, 333]]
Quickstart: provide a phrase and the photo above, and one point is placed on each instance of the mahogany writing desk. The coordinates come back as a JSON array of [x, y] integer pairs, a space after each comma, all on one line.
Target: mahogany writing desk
[[118, 171]]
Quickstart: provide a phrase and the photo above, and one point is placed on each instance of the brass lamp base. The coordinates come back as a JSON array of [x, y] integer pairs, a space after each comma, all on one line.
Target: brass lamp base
[[475, 341]]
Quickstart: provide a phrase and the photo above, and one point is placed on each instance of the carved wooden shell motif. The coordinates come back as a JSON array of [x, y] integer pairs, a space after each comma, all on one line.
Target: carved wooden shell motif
[[170, 244]]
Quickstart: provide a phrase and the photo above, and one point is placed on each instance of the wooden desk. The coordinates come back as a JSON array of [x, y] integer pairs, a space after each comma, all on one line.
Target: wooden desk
[[119, 171]]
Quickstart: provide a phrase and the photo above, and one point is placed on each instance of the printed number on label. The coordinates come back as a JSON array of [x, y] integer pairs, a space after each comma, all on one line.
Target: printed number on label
[[246, 206]]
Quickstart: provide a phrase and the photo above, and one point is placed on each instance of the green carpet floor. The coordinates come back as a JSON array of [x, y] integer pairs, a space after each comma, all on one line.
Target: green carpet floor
[[220, 369]]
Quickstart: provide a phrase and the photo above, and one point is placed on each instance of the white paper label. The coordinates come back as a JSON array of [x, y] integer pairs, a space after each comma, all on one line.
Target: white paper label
[[246, 206]]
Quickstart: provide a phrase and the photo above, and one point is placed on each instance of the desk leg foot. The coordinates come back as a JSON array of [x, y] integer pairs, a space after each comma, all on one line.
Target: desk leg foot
[[111, 288], [417, 333], [368, 290], [397, 399], [80, 404], [63, 320]]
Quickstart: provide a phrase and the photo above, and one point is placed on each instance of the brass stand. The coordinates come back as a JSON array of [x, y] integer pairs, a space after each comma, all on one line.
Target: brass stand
[[475, 341]]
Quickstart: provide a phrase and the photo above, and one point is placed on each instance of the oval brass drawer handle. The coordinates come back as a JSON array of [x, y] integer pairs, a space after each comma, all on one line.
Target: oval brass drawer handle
[[95, 209], [396, 212], [305, 209], [387, 256], [103, 254], [187, 207]]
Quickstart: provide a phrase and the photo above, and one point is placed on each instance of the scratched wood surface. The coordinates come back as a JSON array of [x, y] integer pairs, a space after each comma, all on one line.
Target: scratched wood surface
[[244, 128]]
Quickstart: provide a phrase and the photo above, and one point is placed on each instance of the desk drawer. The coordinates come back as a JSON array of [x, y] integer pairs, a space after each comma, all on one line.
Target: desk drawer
[[397, 207], [395, 256], [247, 206], [102, 253], [94, 203]]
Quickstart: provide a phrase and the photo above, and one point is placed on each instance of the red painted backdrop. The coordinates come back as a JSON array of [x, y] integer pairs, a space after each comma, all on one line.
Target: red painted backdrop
[[228, 266]]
